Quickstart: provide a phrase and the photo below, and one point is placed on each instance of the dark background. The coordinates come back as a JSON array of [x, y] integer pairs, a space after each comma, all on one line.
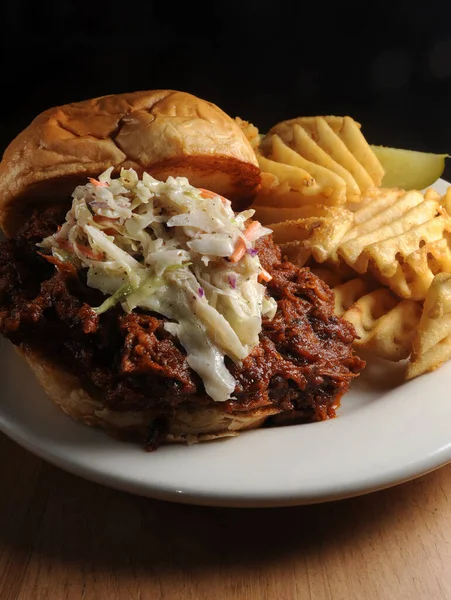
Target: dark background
[[387, 64]]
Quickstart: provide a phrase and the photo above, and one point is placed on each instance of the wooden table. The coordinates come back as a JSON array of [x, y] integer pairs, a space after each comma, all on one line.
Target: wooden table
[[62, 537]]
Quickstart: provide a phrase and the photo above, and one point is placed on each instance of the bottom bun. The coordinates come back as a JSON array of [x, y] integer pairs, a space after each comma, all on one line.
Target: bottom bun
[[187, 424]]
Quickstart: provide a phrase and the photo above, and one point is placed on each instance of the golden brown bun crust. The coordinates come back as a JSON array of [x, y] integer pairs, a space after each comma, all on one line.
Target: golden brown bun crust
[[186, 425], [164, 132]]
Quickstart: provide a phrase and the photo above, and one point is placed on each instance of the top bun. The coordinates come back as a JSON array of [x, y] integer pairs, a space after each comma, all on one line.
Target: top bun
[[163, 132]]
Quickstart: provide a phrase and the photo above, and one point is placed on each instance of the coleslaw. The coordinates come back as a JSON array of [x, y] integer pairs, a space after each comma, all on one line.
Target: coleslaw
[[176, 250]]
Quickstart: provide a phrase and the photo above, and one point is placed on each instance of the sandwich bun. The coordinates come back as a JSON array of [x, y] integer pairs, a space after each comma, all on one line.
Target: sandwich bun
[[163, 132], [186, 424]]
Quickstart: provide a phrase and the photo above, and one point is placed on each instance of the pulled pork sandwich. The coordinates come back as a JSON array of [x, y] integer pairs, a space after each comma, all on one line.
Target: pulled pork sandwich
[[140, 290]]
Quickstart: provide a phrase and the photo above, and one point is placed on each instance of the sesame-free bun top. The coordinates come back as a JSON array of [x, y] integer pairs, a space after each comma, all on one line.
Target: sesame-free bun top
[[163, 132]]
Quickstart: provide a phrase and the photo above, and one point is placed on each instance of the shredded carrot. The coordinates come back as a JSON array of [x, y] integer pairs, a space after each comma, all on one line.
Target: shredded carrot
[[240, 248], [51, 259], [106, 222], [61, 265], [89, 252], [86, 250], [239, 252], [264, 276], [209, 194], [65, 245], [252, 228], [97, 183]]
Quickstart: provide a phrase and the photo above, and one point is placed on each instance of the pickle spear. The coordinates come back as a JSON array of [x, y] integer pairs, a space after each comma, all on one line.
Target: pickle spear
[[409, 169]]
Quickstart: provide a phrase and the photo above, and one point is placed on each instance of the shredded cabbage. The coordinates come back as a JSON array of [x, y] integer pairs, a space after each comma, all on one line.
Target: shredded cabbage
[[168, 247]]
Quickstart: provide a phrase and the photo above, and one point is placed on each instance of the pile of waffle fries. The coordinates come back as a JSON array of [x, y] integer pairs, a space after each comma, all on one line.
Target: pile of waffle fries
[[385, 252]]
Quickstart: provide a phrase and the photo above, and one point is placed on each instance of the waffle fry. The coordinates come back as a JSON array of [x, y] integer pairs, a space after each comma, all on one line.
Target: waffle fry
[[347, 294], [288, 210], [333, 185], [379, 207], [270, 214], [317, 236], [410, 210], [288, 185], [385, 325], [331, 149], [293, 177], [431, 360], [421, 266], [320, 129], [304, 144], [403, 243], [431, 346]]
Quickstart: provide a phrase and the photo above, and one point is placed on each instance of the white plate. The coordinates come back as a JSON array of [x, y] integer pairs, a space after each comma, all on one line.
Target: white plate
[[387, 431]]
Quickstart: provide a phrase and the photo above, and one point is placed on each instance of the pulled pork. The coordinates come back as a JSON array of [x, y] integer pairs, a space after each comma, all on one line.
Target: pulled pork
[[303, 364]]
